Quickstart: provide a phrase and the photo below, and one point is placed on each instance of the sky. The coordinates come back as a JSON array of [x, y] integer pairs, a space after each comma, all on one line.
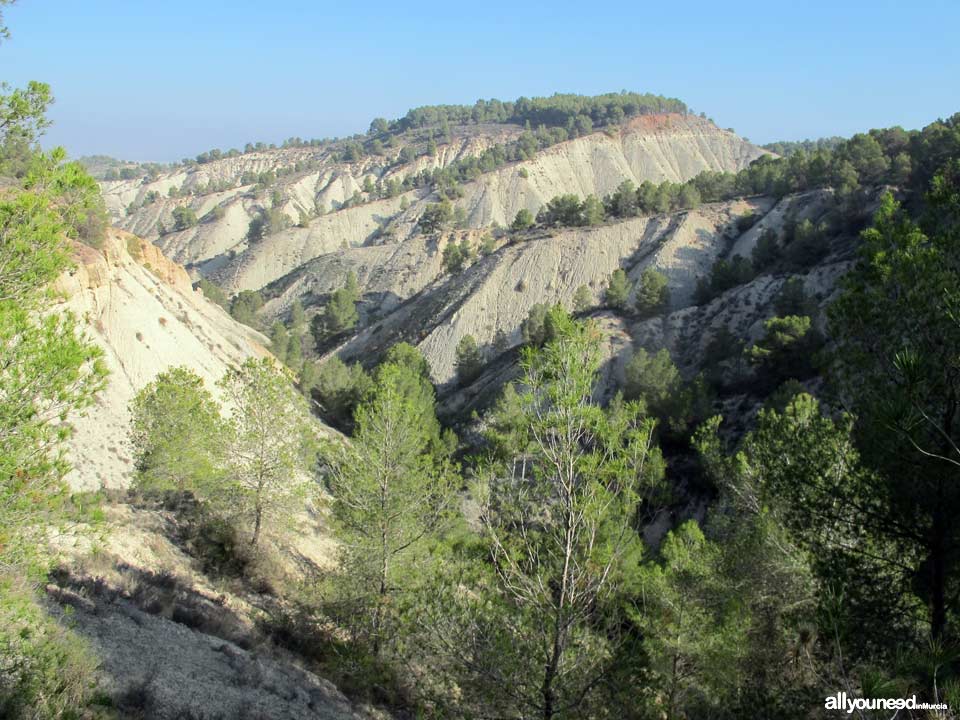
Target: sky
[[146, 80]]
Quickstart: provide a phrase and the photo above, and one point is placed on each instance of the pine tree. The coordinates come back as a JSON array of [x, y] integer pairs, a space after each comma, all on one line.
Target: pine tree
[[295, 353], [392, 490], [178, 434], [279, 341], [556, 508], [522, 221], [896, 327], [618, 290], [653, 294], [270, 452], [469, 360]]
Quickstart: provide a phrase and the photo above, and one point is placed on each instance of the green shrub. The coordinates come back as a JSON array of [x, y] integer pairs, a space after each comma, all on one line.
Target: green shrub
[[582, 299], [618, 290], [183, 218], [767, 251], [469, 360], [339, 388], [213, 292], [245, 306], [537, 328], [724, 275], [653, 294], [787, 348], [523, 220]]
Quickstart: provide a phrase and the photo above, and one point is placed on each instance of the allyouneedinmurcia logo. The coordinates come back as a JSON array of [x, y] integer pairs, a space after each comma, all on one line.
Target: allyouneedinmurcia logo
[[842, 701]]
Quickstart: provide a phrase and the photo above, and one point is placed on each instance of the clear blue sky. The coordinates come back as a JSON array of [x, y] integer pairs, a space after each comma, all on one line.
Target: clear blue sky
[[161, 80]]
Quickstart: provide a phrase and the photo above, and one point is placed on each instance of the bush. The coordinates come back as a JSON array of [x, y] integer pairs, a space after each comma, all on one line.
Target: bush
[[339, 314], [245, 306], [653, 294], [213, 292], [456, 256], [215, 214], [487, 244], [618, 290], [654, 379], [787, 348], [807, 244], [183, 218], [256, 229], [469, 360], [48, 671], [539, 327], [339, 388], [724, 275], [436, 217], [767, 251], [523, 220], [133, 248], [582, 299]]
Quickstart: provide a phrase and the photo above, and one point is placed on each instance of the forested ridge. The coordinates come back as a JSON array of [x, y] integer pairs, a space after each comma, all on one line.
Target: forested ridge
[[509, 572]]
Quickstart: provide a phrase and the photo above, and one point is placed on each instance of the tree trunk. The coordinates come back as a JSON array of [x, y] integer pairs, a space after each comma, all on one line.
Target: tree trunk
[[256, 525], [938, 572], [379, 611], [547, 690]]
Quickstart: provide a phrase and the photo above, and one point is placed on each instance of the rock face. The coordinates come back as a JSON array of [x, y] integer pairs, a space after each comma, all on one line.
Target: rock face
[[653, 147], [141, 309]]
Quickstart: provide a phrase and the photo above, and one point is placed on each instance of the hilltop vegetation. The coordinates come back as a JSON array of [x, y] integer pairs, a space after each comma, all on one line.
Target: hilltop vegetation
[[573, 112]]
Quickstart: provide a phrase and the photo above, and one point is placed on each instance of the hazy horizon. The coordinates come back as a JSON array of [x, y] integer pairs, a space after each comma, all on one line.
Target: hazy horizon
[[193, 77]]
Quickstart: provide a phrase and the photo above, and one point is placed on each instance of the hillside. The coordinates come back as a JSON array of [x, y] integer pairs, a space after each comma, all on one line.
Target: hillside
[[141, 309], [651, 147], [172, 636], [496, 294]]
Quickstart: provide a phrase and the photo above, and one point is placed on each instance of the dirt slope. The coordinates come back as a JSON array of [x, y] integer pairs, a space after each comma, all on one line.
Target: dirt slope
[[141, 310]]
